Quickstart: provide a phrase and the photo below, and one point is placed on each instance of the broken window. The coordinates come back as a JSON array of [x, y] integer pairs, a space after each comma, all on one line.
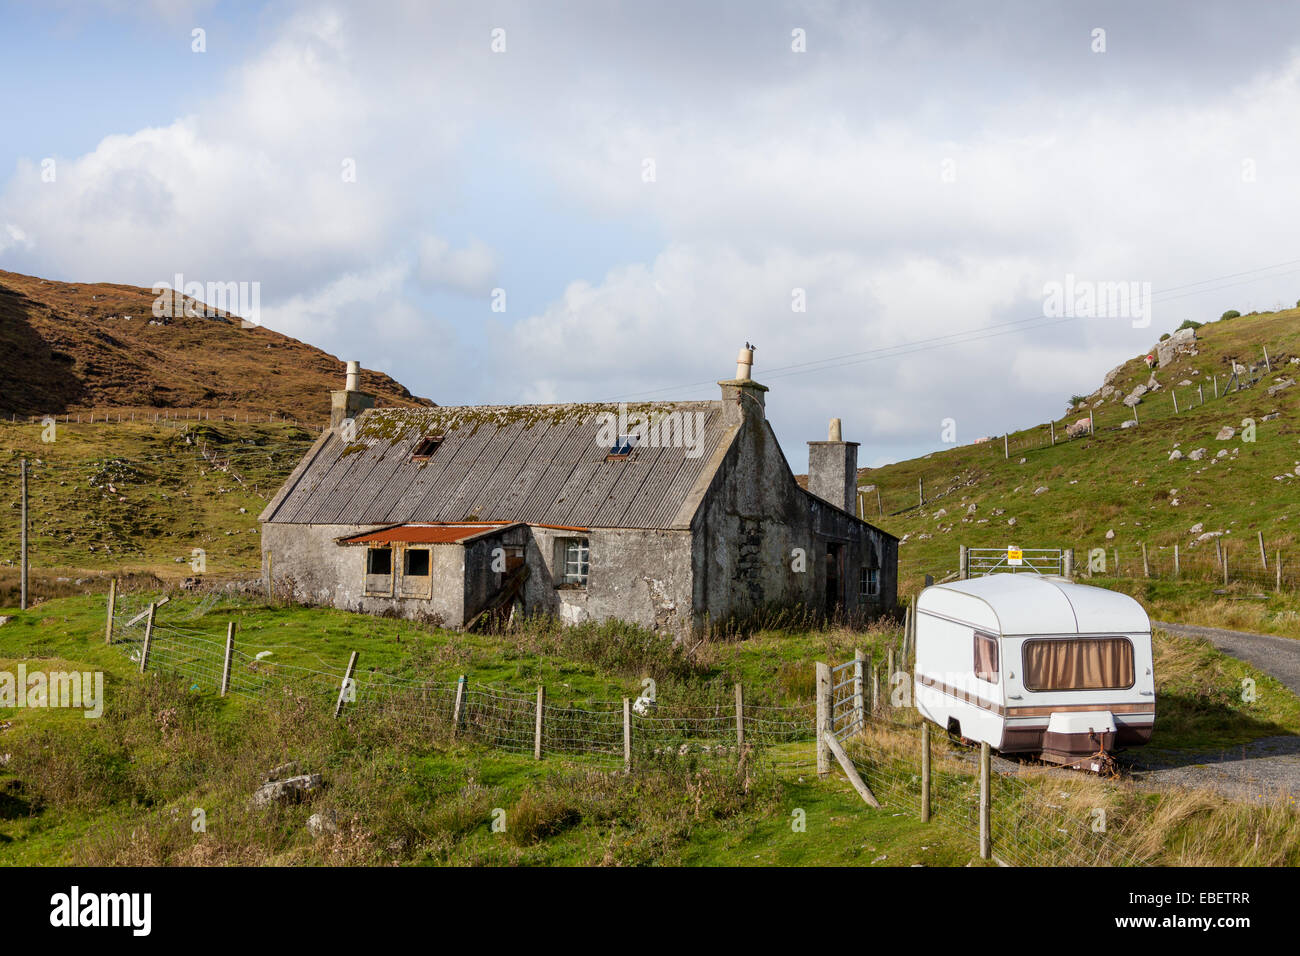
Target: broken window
[[379, 572], [869, 582], [986, 658], [425, 447], [379, 561], [574, 554], [416, 563]]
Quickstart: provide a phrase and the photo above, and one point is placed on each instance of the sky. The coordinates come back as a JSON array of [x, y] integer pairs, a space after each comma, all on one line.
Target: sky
[[499, 202]]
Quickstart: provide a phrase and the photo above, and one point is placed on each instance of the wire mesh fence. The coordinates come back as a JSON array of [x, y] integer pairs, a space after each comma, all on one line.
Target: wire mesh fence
[[496, 717]]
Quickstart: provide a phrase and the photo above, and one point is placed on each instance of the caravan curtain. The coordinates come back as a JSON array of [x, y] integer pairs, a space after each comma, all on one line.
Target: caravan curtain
[[986, 658], [1086, 664]]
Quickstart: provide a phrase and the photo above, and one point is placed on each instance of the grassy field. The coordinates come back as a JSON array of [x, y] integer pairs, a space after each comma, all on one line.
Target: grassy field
[[141, 497], [1122, 480], [122, 789]]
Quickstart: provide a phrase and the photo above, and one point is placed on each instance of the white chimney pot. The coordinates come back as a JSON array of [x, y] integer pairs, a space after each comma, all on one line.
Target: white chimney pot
[[835, 433], [354, 377], [744, 362]]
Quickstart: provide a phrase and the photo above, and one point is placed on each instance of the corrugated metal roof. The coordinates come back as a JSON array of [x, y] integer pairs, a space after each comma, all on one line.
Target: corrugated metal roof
[[425, 533], [540, 464]]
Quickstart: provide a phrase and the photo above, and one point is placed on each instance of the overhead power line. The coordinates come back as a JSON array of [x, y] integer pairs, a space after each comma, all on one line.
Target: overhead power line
[[980, 333]]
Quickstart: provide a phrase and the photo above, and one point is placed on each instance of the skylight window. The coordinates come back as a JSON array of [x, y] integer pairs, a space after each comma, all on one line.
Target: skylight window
[[623, 447], [426, 446]]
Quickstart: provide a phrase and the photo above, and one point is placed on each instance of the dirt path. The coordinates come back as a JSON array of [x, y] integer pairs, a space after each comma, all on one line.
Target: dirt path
[[1278, 656], [1264, 768]]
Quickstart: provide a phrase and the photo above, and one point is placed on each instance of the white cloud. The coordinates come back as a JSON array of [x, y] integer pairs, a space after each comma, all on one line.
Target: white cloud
[[773, 172], [470, 270]]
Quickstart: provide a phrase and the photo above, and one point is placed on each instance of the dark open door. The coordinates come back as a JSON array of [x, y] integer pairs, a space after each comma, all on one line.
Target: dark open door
[[834, 575]]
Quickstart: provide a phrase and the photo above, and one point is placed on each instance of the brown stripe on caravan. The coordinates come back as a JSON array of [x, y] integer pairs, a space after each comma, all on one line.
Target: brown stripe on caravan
[[1042, 710], [1046, 710], [962, 695]]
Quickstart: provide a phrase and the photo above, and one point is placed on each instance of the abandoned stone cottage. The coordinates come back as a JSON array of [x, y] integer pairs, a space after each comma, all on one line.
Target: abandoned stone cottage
[[665, 514]]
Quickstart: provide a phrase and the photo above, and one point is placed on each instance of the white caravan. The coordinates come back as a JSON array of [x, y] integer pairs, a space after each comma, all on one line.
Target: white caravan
[[1036, 664]]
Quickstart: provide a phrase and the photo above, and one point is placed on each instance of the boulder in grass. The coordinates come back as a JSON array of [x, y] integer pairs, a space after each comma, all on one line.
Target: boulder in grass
[[1225, 433], [289, 790]]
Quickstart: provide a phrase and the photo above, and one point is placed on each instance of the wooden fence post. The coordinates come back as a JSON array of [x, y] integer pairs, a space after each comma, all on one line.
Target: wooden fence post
[[925, 771], [859, 695], [1006, 445], [1200, 394], [824, 704], [112, 609], [1146, 566], [875, 684], [963, 562], [1263, 556], [1174, 395], [1092, 426], [537, 727], [1177, 566], [920, 493], [1216, 386], [1225, 567], [458, 707], [1267, 364], [148, 639], [1052, 425], [1278, 566], [1114, 554], [889, 676], [627, 733], [740, 716], [880, 508], [986, 841], [346, 685], [1068, 560], [22, 575], [230, 653]]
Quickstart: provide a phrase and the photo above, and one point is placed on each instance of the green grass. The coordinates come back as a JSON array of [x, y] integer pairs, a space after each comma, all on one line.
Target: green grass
[[165, 498], [121, 789], [1122, 480]]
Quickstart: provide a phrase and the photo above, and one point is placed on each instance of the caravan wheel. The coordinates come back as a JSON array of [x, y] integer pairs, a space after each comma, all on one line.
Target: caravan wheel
[[954, 732]]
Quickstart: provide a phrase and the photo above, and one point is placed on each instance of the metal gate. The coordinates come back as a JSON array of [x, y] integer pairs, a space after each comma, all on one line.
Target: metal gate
[[981, 561]]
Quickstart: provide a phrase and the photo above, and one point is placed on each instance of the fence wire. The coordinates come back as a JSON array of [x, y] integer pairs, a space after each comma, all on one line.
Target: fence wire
[[495, 717]]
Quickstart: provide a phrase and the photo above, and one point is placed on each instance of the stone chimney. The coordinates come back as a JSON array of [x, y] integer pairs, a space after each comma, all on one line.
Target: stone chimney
[[833, 469], [742, 397], [349, 401]]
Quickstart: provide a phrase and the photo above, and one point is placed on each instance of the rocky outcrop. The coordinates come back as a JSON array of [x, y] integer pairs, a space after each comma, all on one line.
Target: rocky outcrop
[[1184, 340]]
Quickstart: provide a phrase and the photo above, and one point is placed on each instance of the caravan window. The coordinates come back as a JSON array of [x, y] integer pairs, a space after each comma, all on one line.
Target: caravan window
[[1104, 663], [986, 657]]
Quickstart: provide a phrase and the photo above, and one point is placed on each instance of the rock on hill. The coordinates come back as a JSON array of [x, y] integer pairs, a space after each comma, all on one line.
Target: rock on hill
[[71, 346], [1223, 463]]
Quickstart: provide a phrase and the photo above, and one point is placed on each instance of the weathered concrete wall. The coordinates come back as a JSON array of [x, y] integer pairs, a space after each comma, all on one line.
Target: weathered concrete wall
[[635, 575], [753, 519], [833, 472], [638, 576], [309, 567]]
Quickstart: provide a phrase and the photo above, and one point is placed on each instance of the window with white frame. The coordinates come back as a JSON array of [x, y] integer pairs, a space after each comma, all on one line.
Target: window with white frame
[[572, 556], [869, 582]]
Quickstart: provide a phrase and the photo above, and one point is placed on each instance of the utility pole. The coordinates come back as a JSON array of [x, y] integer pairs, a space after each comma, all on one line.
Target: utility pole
[[23, 575]]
